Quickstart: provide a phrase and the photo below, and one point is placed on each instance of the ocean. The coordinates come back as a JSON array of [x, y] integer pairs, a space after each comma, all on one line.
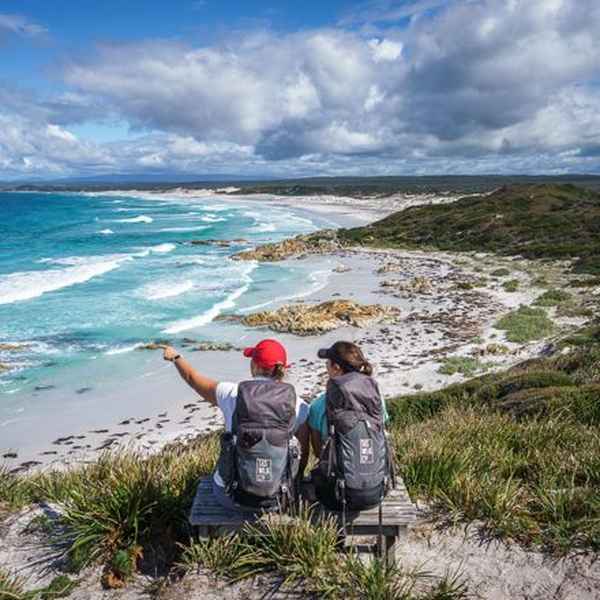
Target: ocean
[[85, 279]]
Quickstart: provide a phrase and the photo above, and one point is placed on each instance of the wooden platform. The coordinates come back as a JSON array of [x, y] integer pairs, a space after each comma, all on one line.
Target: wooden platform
[[210, 519]]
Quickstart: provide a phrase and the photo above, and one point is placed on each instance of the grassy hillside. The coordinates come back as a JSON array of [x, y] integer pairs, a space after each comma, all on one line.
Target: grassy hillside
[[537, 221], [518, 451]]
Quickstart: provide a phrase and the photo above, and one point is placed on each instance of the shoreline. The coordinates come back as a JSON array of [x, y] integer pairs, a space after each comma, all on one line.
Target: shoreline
[[436, 320], [433, 324]]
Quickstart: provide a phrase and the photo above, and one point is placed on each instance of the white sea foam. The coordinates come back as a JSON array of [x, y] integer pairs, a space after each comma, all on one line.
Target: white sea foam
[[139, 219], [209, 315], [183, 229], [31, 284], [212, 219], [123, 349], [264, 228], [158, 291], [319, 280], [158, 249], [163, 248], [106, 231], [214, 311]]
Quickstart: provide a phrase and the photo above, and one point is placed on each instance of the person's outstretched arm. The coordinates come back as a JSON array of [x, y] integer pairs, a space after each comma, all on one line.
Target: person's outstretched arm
[[206, 387]]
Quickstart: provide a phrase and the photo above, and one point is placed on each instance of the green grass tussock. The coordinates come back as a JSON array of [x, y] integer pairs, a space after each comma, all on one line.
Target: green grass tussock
[[303, 552], [512, 285], [465, 365], [124, 507], [526, 324], [553, 298], [535, 221], [518, 451], [11, 587]]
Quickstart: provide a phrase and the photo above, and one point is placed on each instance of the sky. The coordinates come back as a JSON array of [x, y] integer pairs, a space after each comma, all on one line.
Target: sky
[[294, 89]]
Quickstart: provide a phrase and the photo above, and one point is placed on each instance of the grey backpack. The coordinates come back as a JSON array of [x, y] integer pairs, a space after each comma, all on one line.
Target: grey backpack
[[258, 461], [355, 467]]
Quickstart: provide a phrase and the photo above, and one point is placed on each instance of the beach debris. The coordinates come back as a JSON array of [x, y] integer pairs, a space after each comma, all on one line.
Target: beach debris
[[83, 390], [321, 242], [318, 318], [44, 387]]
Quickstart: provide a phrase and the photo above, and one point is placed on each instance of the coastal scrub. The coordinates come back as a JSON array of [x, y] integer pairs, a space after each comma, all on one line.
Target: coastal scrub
[[526, 324]]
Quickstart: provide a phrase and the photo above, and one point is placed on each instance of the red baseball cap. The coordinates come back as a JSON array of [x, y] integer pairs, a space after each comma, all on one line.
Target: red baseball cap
[[267, 354]]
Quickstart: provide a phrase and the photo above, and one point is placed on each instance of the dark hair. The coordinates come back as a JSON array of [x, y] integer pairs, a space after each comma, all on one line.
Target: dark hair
[[278, 372], [349, 357]]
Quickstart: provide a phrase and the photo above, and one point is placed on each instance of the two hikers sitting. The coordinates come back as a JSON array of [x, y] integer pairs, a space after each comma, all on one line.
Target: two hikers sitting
[[265, 446]]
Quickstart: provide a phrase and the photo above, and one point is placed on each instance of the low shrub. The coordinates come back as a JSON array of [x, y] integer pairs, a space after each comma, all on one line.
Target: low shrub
[[525, 324], [512, 285], [552, 298], [465, 365], [512, 383]]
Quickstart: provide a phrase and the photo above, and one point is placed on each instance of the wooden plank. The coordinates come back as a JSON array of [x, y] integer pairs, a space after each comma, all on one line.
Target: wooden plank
[[397, 510]]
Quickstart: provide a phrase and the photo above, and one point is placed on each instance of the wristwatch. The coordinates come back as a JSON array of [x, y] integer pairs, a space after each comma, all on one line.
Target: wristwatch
[[176, 357]]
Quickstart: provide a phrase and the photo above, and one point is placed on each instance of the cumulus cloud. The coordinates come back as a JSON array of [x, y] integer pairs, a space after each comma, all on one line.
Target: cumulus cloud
[[463, 86]]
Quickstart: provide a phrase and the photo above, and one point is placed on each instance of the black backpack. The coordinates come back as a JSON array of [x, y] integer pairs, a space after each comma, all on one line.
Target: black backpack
[[258, 462], [355, 468]]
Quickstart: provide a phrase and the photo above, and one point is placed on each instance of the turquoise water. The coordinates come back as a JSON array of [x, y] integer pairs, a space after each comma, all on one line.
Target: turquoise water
[[86, 277]]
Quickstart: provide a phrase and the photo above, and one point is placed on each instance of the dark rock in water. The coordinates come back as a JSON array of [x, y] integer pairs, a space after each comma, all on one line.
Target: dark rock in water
[[49, 452], [10, 455], [207, 346], [99, 431], [162, 415], [43, 388], [83, 390], [14, 347], [125, 422], [220, 243], [158, 345]]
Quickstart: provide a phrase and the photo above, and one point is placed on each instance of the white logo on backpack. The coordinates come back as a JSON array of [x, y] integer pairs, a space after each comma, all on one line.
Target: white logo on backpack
[[367, 455], [264, 470]]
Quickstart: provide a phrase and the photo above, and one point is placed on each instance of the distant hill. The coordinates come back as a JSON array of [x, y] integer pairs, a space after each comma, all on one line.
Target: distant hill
[[308, 186], [536, 221]]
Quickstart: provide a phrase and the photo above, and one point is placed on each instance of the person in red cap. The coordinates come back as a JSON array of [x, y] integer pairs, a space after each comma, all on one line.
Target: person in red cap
[[269, 364]]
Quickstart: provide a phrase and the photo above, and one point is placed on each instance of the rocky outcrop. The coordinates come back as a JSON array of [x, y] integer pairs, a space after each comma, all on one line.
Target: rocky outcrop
[[417, 285], [318, 318], [5, 347], [153, 346], [321, 242]]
